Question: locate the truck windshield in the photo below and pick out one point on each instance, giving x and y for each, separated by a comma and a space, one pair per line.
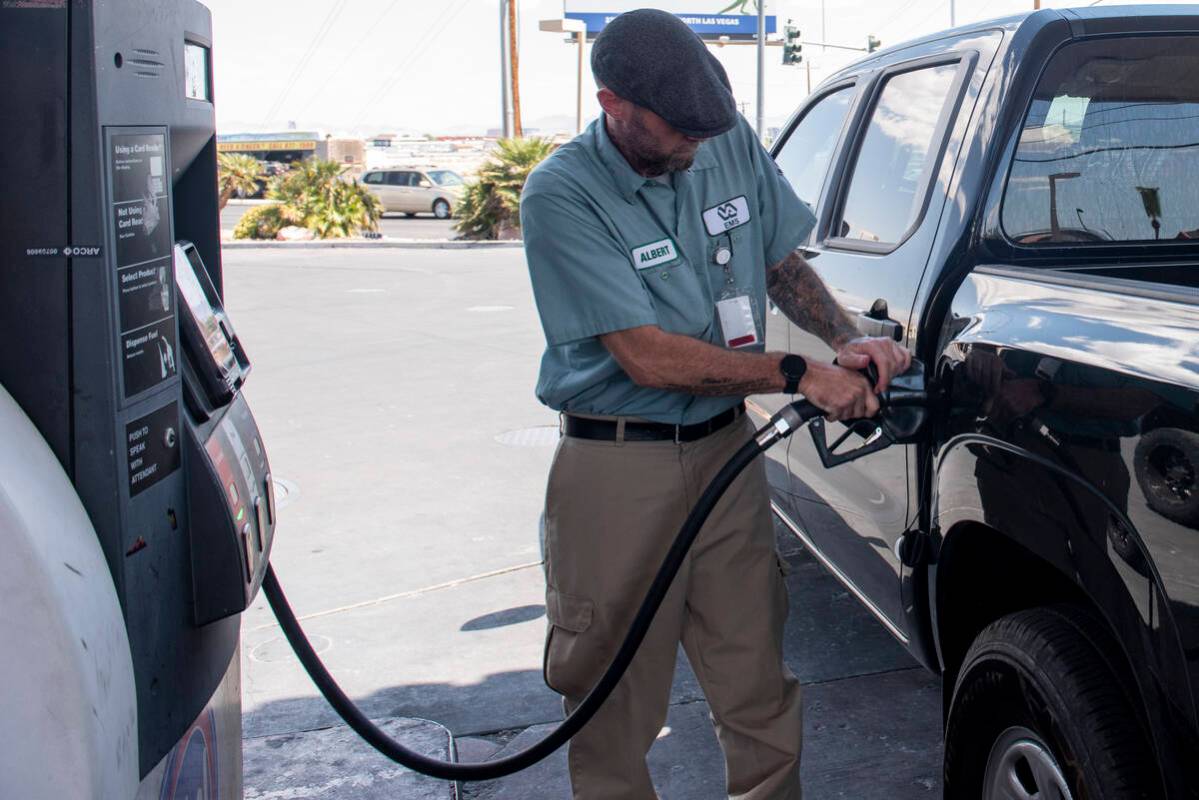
1109, 151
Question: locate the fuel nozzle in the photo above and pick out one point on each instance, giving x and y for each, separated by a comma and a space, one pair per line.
903, 412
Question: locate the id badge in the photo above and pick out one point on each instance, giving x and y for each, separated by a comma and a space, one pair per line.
738, 325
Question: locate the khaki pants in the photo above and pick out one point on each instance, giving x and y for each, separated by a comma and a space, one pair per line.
612, 511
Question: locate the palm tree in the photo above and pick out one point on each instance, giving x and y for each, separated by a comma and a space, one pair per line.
237, 174
490, 207
315, 195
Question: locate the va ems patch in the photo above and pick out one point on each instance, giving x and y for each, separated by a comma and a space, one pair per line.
727, 215
654, 253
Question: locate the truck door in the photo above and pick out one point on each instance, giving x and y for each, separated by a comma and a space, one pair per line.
877, 220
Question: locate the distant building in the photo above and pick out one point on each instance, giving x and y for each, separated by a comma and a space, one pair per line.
347, 151
285, 147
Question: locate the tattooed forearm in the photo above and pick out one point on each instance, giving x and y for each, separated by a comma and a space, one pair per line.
798, 291
721, 387
656, 359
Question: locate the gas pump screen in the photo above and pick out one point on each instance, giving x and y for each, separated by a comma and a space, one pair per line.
189, 272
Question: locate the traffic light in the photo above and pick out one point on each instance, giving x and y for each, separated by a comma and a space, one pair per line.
792, 48
872, 43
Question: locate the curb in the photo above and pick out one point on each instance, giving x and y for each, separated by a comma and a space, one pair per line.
386, 244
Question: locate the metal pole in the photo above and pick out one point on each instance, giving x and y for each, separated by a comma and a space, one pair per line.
514, 59
505, 81
762, 70
580, 39
952, 14
823, 25
808, 64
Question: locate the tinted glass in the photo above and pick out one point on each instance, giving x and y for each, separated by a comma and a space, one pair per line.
397, 178
893, 166
1110, 148
805, 156
444, 177
372, 177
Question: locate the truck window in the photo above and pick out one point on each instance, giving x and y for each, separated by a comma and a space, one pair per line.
891, 176
808, 150
1109, 151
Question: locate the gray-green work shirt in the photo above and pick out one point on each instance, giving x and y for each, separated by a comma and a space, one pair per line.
609, 249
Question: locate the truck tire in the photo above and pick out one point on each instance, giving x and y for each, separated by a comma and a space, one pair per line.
1037, 707
1167, 467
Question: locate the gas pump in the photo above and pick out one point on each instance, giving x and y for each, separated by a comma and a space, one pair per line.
136, 504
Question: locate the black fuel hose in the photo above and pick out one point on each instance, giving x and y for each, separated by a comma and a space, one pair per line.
781, 425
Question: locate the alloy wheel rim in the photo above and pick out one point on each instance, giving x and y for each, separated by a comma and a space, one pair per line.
441, 210
1174, 472
1022, 767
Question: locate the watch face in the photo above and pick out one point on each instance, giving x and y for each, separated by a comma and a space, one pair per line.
794, 366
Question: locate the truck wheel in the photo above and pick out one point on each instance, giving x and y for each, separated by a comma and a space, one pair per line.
1167, 467
1038, 712
441, 209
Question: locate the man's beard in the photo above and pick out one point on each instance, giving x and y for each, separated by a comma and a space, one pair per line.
640, 144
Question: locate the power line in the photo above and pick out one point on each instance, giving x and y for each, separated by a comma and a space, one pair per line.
915, 27
350, 53
323, 31
448, 15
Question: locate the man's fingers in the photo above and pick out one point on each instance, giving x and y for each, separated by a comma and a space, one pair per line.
853, 360
872, 405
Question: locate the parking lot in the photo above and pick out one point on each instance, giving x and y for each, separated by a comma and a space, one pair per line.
394, 389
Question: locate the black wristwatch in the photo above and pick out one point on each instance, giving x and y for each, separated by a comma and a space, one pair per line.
793, 368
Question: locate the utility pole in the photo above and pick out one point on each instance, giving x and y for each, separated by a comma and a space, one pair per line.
514, 60
761, 70
824, 26
505, 79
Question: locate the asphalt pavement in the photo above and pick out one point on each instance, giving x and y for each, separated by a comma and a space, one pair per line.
394, 389
398, 226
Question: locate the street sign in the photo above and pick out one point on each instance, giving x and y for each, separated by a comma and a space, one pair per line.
705, 17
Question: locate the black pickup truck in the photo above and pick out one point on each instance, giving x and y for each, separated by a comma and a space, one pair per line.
1018, 202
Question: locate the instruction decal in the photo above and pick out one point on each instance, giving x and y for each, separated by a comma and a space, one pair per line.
152, 447
145, 275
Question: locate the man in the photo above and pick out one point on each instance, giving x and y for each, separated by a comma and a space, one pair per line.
652, 241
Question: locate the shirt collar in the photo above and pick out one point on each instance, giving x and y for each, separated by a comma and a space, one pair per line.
629, 181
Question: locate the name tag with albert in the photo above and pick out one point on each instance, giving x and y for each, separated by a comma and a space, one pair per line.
726, 216
654, 253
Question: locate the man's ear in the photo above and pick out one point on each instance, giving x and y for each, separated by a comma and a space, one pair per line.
613, 105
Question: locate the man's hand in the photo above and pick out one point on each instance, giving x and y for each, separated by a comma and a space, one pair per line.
841, 393
888, 357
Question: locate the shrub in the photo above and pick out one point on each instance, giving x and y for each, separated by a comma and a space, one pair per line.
315, 195
260, 222
490, 206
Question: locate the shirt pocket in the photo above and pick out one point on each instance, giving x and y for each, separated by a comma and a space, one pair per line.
679, 297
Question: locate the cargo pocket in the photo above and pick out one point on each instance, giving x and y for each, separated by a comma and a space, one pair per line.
565, 667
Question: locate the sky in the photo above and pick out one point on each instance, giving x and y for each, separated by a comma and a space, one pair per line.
357, 67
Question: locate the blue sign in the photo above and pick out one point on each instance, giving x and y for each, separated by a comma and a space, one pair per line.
709, 26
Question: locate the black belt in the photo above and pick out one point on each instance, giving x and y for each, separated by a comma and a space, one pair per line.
605, 429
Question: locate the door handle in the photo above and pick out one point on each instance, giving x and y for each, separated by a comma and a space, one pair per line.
876, 322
